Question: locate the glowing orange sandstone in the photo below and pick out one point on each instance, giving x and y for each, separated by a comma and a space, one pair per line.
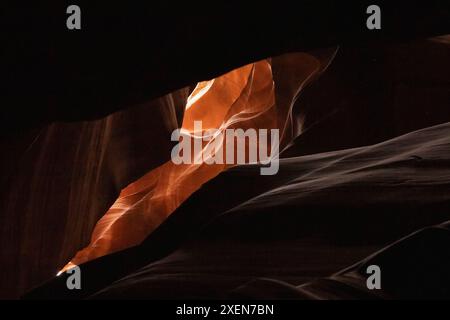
243, 98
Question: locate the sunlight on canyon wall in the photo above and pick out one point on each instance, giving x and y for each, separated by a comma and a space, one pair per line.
258, 96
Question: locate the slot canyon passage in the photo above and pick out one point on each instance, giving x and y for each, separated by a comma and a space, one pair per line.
243, 98
364, 177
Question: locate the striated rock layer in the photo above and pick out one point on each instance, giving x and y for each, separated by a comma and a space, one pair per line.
57, 183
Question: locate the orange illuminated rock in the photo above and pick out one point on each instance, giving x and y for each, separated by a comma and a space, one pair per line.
243, 98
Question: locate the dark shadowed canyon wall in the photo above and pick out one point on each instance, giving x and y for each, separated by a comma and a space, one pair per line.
85, 114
